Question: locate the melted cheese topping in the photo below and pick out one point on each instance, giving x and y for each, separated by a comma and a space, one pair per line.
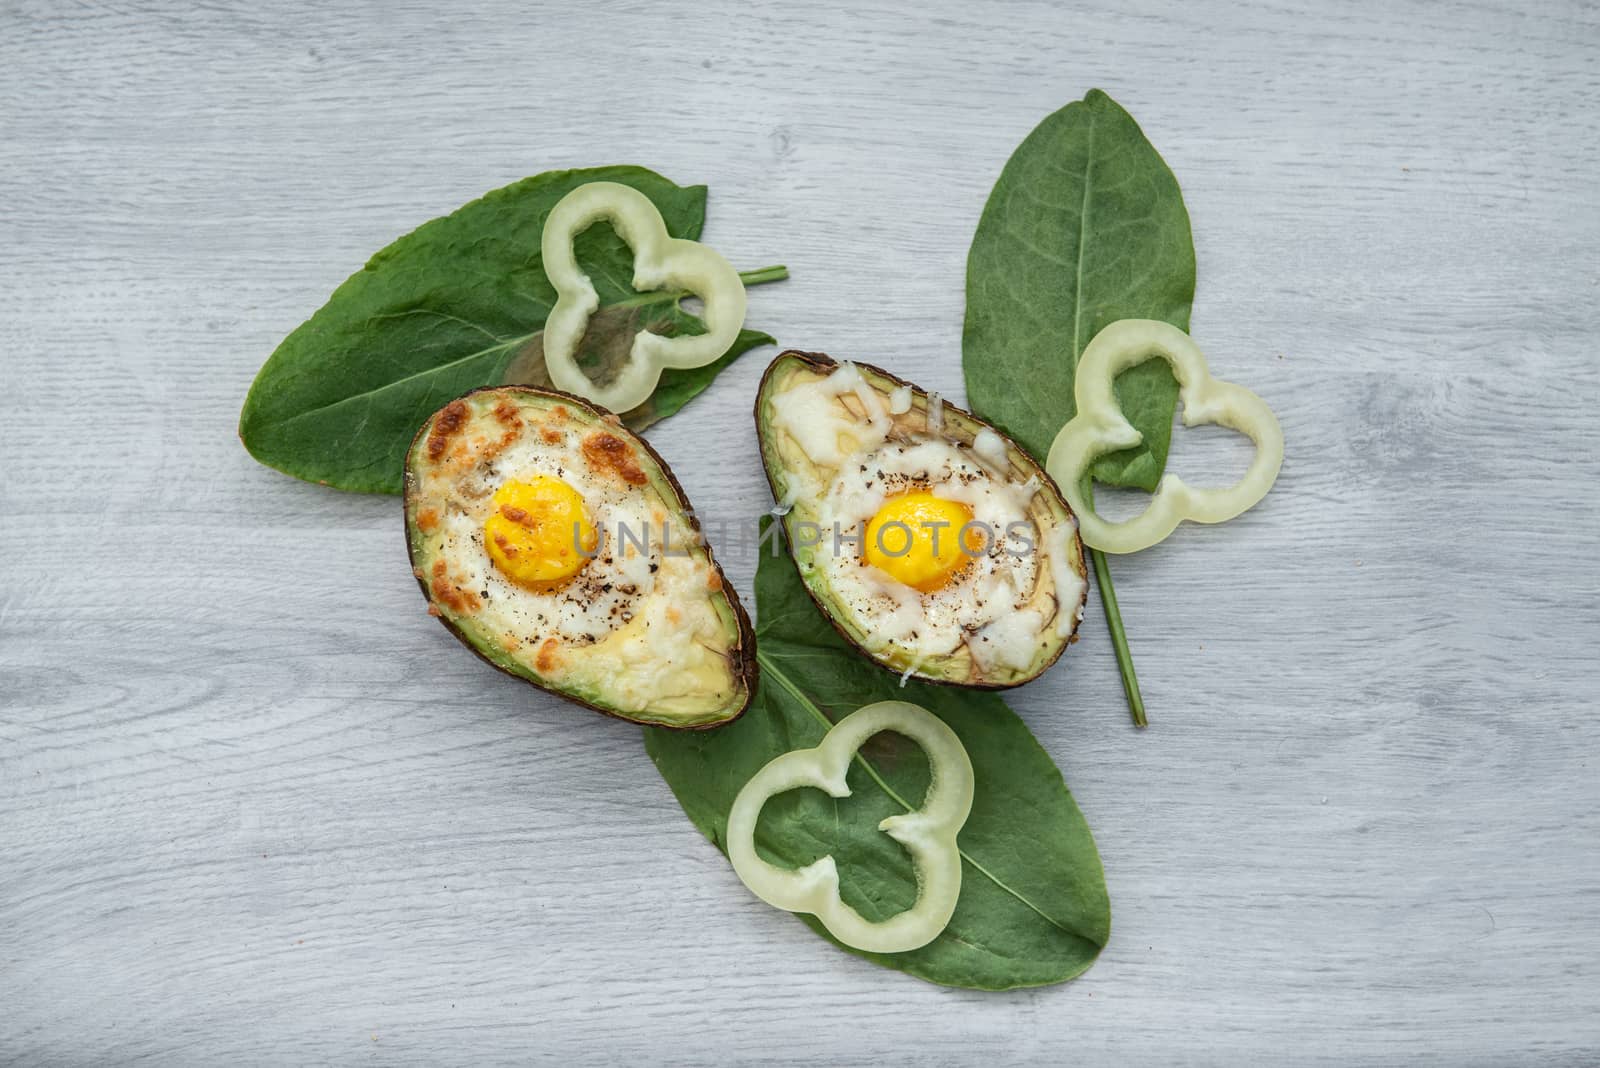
826, 430
990, 447
1070, 586
639, 624
1003, 606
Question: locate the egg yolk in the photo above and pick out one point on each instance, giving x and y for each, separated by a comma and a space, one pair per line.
916, 538
536, 532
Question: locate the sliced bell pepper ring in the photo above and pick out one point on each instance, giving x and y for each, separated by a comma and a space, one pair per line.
1099, 428
928, 834
660, 261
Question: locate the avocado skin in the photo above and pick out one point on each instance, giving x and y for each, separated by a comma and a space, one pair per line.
743, 655
824, 364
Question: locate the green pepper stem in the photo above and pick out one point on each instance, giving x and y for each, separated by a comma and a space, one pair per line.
764, 275
776, 273
1119, 637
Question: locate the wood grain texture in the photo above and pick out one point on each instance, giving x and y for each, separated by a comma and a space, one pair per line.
256, 806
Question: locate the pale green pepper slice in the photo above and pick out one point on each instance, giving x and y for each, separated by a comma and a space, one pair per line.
928, 834
1099, 428
660, 261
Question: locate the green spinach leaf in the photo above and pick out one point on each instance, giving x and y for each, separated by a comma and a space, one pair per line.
1085, 226
456, 304
1033, 906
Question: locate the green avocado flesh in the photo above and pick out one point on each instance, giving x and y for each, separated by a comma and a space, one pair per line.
646, 629
827, 439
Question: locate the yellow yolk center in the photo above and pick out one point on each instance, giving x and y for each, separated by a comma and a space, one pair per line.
916, 538
539, 533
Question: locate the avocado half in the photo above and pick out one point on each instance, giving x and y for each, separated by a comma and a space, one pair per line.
657, 677
789, 471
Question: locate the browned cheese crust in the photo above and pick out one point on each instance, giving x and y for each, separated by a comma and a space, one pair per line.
438, 436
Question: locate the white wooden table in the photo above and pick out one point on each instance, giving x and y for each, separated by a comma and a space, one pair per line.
255, 806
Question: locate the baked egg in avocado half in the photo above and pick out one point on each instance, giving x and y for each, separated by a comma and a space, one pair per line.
931, 541
557, 546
